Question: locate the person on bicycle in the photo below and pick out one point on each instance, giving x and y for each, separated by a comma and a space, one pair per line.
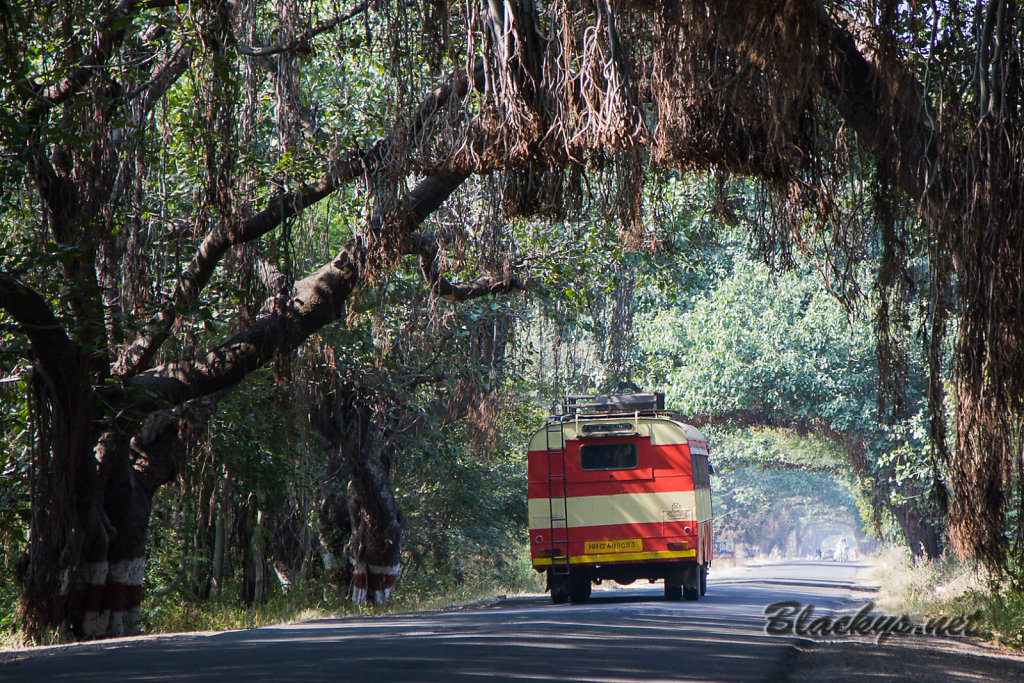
841, 548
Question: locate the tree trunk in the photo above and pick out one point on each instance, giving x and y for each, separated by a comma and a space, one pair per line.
127, 511
94, 570
922, 536
220, 534
89, 520
255, 583
374, 549
345, 420
94, 468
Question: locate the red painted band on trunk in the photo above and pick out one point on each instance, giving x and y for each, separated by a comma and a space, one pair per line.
380, 582
117, 594
94, 593
133, 596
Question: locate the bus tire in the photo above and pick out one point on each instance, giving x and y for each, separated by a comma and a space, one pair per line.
579, 592
691, 582
673, 591
703, 579
559, 596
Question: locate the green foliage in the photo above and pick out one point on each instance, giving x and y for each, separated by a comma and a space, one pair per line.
771, 342
773, 348
15, 465
778, 449
775, 488
461, 510
684, 309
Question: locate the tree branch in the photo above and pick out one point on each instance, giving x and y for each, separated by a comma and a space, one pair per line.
55, 353
316, 301
111, 33
898, 132
301, 42
197, 274
269, 275
166, 75
158, 449
440, 286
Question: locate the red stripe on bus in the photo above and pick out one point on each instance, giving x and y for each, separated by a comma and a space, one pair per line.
665, 459
613, 531
654, 535
573, 489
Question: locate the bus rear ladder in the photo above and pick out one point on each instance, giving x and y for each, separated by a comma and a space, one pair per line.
557, 508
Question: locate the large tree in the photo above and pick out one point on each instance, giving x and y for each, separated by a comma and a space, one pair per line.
808, 96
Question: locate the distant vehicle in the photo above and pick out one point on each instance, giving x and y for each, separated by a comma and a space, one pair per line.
619, 489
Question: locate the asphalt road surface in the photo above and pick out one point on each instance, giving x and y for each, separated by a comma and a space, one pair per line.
629, 634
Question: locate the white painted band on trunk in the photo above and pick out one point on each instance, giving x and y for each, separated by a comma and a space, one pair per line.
358, 595
137, 571
95, 623
95, 573
328, 559
132, 621
117, 623
386, 571
128, 572
282, 578
119, 572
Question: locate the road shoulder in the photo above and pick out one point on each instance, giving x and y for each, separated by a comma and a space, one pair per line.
913, 657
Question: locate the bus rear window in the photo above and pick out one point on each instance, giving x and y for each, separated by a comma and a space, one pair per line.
608, 456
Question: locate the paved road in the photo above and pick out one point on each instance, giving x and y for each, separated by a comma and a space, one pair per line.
625, 634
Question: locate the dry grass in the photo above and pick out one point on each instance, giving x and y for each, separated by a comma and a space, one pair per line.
948, 587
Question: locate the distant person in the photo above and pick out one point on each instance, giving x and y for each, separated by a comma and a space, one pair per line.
841, 549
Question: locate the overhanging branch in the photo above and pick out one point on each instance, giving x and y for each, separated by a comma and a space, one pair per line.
893, 122
138, 356
165, 76
484, 285
315, 302
57, 355
111, 33
300, 43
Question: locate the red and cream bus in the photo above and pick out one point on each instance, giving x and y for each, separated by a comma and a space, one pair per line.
619, 489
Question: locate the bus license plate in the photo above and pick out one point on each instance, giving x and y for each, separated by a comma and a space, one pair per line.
618, 545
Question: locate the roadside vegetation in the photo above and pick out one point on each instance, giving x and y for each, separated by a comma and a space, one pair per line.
285, 286
419, 590
948, 587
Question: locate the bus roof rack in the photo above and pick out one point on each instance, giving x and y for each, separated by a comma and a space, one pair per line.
613, 403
